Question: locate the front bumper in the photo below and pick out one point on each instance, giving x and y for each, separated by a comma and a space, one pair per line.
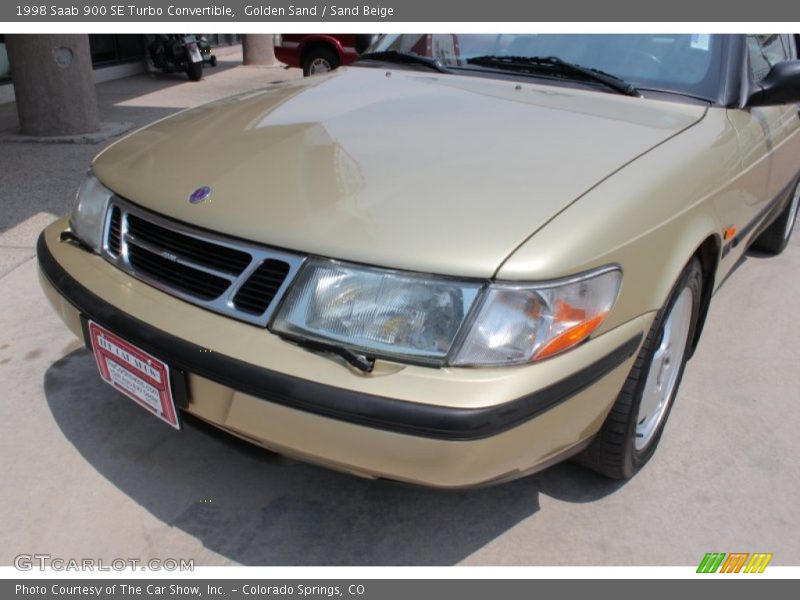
439, 427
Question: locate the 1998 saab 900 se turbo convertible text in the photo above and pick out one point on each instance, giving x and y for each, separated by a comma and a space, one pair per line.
456, 262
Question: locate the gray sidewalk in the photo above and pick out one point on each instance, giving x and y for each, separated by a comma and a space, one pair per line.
38, 181
86, 473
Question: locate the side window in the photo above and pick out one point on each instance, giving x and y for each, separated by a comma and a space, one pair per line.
764, 51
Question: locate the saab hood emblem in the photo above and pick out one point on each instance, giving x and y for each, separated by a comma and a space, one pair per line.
200, 194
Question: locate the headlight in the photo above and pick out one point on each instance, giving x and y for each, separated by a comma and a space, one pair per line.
88, 216
376, 311
518, 324
423, 318
277, 39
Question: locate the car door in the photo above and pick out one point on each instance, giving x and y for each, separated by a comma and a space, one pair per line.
768, 136
784, 124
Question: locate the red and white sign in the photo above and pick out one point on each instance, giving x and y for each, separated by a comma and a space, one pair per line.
135, 373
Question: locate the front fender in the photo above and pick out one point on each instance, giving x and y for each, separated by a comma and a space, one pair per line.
650, 217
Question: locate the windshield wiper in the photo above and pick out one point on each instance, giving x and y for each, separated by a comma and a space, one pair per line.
405, 58
554, 65
365, 364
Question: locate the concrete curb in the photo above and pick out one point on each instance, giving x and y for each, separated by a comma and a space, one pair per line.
107, 130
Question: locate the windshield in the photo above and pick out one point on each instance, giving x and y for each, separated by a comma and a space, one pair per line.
683, 63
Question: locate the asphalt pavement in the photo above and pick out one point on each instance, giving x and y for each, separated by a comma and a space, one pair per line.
87, 473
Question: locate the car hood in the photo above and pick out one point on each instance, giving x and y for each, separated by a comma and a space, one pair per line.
403, 168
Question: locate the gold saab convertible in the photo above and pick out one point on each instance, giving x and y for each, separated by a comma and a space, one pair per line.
456, 262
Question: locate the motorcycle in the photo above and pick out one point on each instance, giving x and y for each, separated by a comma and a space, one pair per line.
180, 52
205, 50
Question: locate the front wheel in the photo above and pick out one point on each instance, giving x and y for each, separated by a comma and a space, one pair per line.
194, 71
630, 433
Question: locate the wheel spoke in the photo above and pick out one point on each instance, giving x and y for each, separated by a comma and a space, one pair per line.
664, 369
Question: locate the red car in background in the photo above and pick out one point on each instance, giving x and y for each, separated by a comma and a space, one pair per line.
320, 52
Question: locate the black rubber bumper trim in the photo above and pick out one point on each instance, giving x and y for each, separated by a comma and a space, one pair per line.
423, 420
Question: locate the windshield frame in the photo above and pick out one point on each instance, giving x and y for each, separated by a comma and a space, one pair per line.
723, 85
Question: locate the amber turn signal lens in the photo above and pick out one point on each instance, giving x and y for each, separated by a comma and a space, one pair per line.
570, 337
519, 323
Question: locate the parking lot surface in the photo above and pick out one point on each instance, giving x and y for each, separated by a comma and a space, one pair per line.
87, 473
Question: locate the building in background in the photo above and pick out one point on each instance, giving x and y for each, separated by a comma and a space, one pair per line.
5, 68
113, 56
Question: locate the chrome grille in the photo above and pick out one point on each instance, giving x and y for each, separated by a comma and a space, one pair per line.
146, 233
263, 284
188, 280
115, 231
236, 278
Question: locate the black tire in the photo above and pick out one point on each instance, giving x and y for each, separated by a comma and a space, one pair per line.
194, 71
213, 60
323, 56
774, 239
613, 451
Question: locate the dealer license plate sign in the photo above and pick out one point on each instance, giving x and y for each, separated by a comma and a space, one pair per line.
135, 373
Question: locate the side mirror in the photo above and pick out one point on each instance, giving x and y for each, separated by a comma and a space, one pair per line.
780, 86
